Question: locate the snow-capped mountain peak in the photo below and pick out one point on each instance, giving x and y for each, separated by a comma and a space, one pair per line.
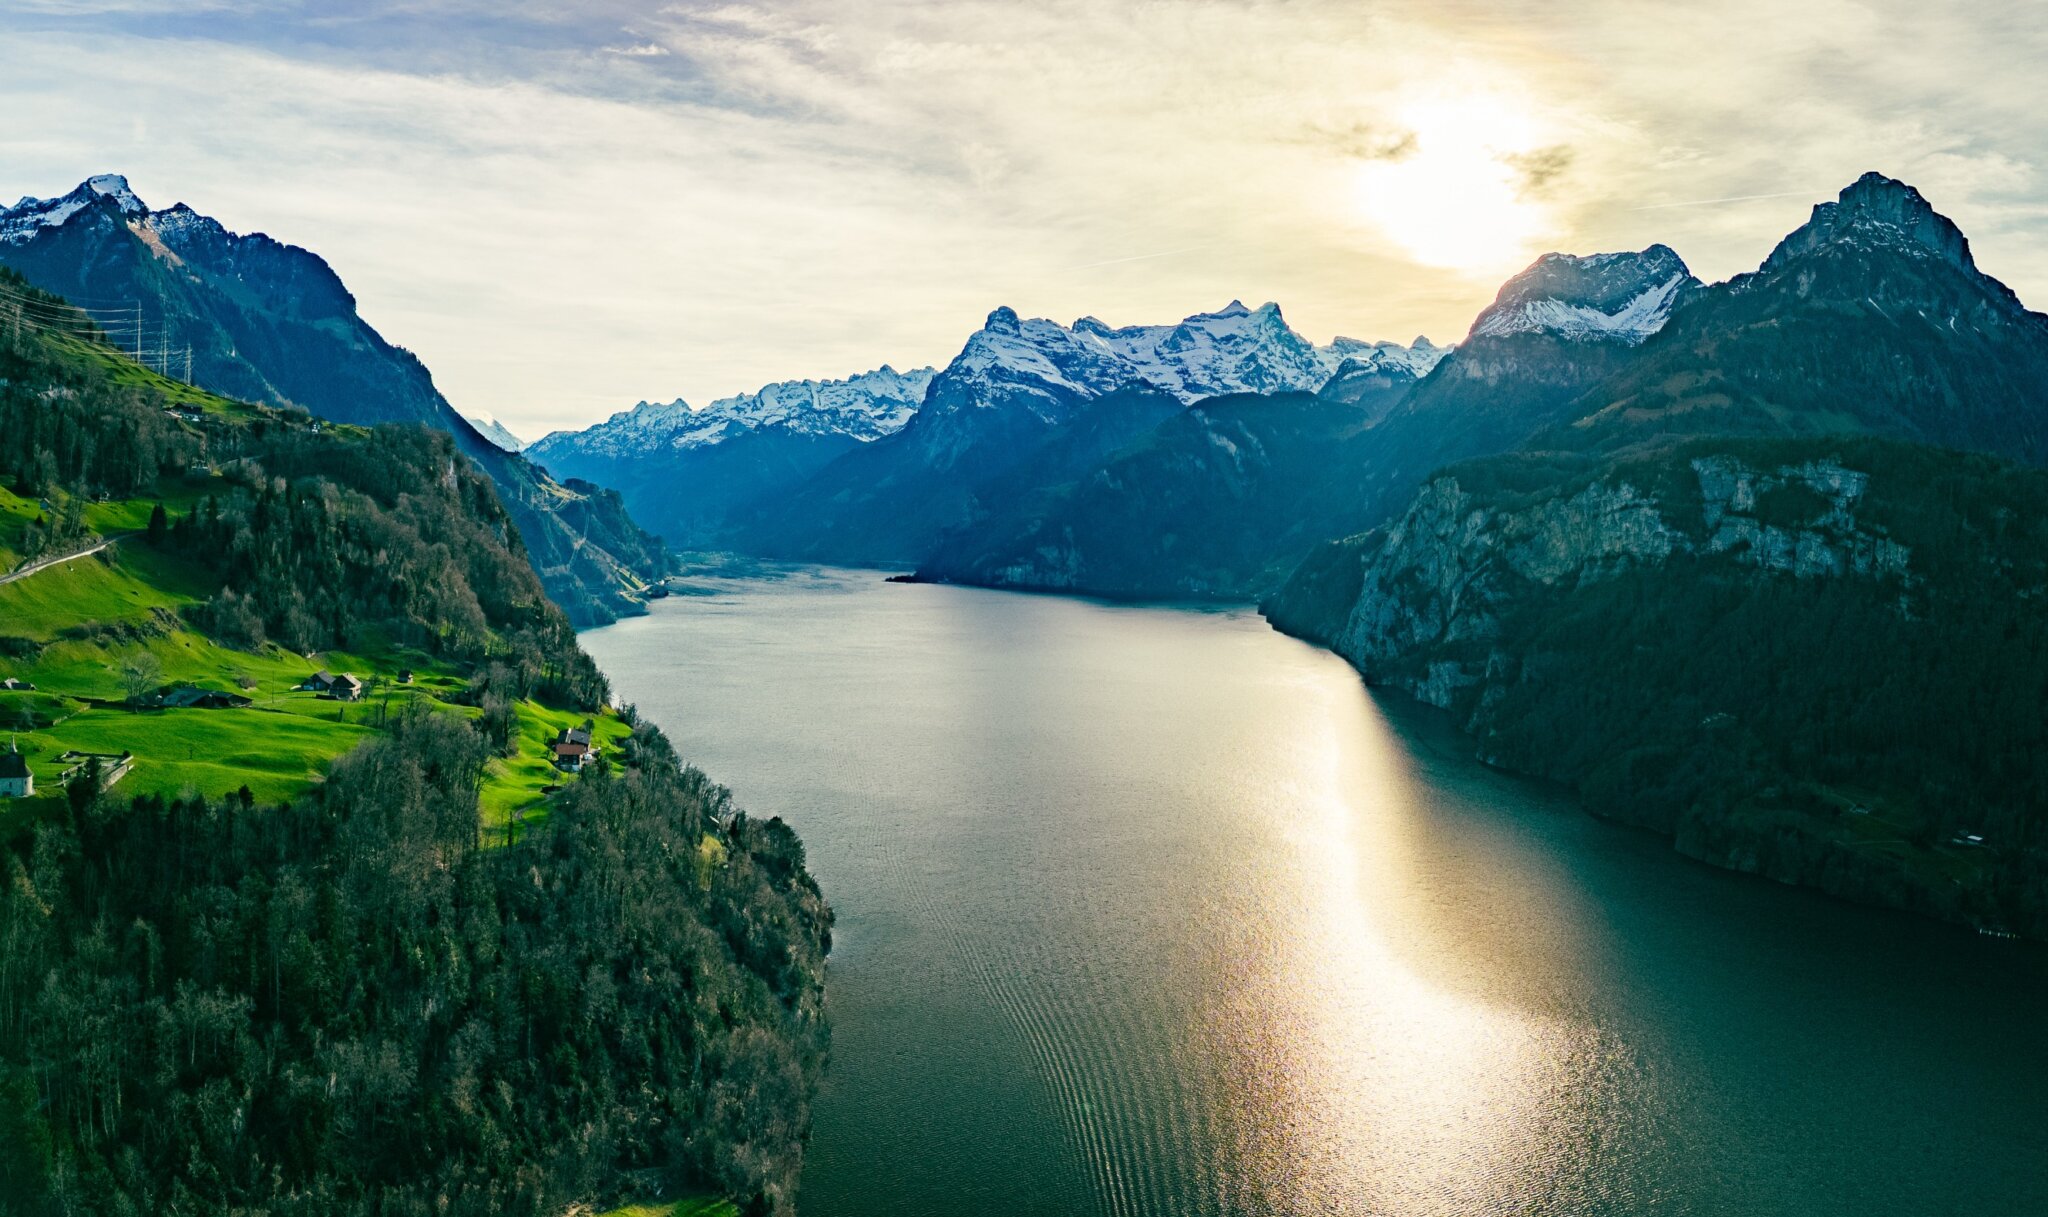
863, 407
488, 426
22, 221
1615, 297
1350, 355
1233, 350
115, 187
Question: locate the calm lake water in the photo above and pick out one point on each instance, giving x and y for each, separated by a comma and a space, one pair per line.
1150, 911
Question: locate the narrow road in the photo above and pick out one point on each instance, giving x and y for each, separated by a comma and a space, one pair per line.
61, 559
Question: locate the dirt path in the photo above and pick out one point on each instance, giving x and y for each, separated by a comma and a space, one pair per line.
61, 559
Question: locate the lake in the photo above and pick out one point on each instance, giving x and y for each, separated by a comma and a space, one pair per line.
1155, 911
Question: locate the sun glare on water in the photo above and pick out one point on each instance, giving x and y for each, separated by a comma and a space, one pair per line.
1456, 194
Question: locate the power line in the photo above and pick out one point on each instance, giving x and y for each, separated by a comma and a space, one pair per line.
125, 329
58, 303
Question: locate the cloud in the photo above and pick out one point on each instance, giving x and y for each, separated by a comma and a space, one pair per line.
562, 222
1538, 169
1365, 141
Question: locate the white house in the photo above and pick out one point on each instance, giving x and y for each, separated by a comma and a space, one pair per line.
16, 782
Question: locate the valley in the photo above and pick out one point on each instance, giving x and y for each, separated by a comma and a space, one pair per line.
1706, 553
1091, 609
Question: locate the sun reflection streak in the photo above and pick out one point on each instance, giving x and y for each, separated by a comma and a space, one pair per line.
1372, 1087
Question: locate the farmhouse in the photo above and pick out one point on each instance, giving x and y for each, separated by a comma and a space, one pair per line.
16, 782
12, 685
344, 687
572, 748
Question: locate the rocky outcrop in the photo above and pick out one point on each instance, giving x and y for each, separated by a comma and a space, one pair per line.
1442, 574
1818, 661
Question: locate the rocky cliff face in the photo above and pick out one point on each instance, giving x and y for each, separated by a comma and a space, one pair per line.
1815, 660
1443, 573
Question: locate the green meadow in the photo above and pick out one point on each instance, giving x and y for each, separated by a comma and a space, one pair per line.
75, 630
701, 1206
512, 784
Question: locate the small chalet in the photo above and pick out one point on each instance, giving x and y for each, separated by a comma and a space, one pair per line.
12, 685
344, 687
16, 782
572, 748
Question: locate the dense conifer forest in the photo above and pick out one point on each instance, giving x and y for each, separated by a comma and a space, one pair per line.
362, 1001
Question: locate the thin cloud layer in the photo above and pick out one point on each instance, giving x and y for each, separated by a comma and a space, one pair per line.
564, 209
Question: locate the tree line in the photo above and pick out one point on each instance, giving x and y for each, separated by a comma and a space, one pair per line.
350, 1005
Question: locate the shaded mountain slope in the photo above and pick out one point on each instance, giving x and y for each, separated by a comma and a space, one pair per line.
264, 321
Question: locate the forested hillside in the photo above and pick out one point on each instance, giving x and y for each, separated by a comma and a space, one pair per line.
1219, 499
1822, 660
358, 952
260, 320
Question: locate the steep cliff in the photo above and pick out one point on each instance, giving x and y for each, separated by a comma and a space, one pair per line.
1820, 660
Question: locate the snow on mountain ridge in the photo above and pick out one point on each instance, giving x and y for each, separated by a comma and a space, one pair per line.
1232, 350
1623, 297
866, 407
488, 426
19, 223
1417, 359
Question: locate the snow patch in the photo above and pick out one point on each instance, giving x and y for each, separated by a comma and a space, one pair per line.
1636, 319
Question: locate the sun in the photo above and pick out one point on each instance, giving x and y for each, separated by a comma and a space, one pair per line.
1454, 196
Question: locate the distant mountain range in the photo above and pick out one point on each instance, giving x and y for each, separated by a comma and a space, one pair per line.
689, 473
884, 467
1205, 458
1756, 564
251, 317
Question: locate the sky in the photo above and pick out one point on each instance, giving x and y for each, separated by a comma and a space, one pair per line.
568, 208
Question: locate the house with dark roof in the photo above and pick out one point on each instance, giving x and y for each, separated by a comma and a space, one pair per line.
12, 685
16, 782
572, 748
344, 687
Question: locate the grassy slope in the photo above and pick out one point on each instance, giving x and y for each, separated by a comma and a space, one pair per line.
513, 783
701, 1206
92, 616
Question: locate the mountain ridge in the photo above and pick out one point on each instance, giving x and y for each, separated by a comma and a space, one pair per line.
265, 321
